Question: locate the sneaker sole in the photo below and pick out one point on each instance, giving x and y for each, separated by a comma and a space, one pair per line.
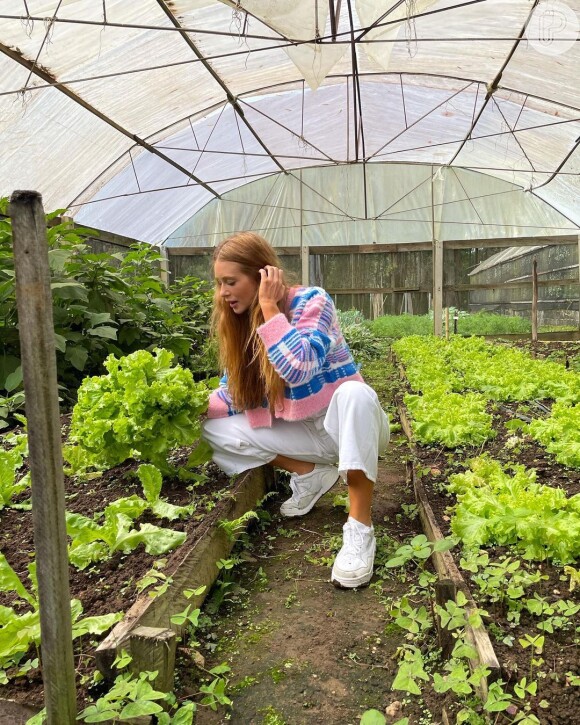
302, 512
361, 581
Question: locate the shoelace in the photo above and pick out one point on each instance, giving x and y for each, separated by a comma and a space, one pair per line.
295, 488
353, 540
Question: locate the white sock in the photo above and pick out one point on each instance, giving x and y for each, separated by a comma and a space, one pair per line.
363, 528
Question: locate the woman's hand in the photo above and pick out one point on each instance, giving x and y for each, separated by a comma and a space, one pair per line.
272, 290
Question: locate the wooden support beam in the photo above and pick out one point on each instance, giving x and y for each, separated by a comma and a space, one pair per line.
437, 286
520, 284
34, 301
425, 246
535, 300
164, 272
305, 265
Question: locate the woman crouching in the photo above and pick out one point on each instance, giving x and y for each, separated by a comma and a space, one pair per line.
292, 395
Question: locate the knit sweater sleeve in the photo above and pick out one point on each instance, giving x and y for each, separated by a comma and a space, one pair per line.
220, 402
220, 406
298, 349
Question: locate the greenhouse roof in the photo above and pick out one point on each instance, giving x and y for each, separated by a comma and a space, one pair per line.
134, 116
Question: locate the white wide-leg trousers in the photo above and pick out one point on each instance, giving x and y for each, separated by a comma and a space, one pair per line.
351, 432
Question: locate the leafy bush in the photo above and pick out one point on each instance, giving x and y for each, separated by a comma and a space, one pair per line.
361, 340
102, 304
141, 409
478, 323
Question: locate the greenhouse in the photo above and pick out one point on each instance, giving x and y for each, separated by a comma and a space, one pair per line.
414, 168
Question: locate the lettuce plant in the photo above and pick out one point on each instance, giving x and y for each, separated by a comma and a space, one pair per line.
94, 541
142, 408
20, 631
559, 433
494, 507
450, 419
11, 457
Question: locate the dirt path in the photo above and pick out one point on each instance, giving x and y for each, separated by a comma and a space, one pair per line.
300, 650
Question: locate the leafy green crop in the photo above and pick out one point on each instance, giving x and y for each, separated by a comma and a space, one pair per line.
151, 478
18, 632
481, 372
102, 304
362, 342
450, 419
94, 541
494, 507
560, 433
11, 459
141, 409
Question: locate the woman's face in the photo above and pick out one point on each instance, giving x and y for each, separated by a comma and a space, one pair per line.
235, 287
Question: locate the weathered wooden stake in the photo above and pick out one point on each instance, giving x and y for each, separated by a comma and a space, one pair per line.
447, 323
437, 286
305, 264
34, 300
535, 300
579, 280
155, 646
445, 591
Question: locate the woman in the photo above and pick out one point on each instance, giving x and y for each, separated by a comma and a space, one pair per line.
292, 395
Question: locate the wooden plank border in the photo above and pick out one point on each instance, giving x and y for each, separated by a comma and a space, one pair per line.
192, 566
446, 567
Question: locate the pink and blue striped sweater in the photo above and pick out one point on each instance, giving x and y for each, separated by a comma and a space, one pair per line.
308, 351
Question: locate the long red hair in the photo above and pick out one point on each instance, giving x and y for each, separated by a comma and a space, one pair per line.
251, 377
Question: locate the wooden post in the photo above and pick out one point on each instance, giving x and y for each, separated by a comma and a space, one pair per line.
447, 323
305, 264
36, 328
164, 266
437, 286
445, 591
535, 300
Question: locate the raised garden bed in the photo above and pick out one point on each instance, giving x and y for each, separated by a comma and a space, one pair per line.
113, 585
555, 664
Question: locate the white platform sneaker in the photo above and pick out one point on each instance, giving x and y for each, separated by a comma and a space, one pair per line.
308, 488
353, 566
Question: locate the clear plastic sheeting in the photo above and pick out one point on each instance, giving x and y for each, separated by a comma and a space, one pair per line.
135, 116
401, 123
403, 203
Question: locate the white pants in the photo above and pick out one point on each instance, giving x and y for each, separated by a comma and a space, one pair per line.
351, 432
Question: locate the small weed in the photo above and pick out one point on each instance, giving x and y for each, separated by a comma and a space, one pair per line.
291, 599
272, 716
